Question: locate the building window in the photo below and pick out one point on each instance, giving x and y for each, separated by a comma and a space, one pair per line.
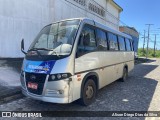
113, 43
81, 2
94, 8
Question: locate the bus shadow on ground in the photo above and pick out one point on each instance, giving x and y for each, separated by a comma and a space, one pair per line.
133, 95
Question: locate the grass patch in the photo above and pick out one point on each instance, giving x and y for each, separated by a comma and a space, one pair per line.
142, 53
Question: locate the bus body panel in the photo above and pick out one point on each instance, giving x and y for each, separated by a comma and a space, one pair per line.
87, 62
65, 65
110, 68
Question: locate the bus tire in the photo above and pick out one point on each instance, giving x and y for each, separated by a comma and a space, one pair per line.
88, 93
125, 75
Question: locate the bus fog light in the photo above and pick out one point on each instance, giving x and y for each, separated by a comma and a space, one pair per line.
51, 92
54, 92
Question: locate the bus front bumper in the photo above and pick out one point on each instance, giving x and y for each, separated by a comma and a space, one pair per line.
46, 99
54, 92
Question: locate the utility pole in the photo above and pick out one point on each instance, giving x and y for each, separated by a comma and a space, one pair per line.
149, 25
144, 40
155, 45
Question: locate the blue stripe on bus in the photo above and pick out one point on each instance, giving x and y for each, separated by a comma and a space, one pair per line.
44, 67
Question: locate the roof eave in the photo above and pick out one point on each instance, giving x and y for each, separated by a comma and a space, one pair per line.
119, 7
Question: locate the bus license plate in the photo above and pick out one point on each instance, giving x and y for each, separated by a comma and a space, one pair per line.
33, 86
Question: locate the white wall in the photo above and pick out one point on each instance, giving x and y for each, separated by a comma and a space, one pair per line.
25, 18
20, 19
113, 22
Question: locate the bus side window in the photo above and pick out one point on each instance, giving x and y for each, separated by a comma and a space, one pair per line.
121, 41
87, 41
128, 45
132, 43
101, 40
113, 42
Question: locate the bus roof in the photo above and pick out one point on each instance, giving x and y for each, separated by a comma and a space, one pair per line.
102, 26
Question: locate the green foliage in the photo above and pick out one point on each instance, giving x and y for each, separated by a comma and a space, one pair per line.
142, 53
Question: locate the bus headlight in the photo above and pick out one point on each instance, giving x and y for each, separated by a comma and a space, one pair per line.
59, 76
65, 75
53, 77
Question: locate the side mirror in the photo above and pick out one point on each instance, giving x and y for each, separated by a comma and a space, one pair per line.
22, 46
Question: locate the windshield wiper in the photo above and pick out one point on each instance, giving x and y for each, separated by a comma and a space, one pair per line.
36, 49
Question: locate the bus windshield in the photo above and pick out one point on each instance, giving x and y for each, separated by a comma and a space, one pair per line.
56, 39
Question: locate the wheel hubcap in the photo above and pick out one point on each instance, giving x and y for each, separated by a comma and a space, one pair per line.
89, 92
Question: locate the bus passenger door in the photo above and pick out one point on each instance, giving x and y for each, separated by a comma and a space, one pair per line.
87, 59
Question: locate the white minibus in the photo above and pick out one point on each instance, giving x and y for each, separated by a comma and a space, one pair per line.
72, 59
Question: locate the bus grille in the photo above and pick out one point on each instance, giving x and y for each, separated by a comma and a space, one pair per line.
38, 79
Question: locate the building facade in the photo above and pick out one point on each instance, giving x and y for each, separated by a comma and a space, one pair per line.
25, 18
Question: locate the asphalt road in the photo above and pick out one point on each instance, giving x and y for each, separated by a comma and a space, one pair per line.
141, 92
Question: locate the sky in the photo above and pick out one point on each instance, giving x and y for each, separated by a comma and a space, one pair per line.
137, 13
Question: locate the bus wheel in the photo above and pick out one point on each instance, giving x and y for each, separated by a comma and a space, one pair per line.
125, 75
88, 93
